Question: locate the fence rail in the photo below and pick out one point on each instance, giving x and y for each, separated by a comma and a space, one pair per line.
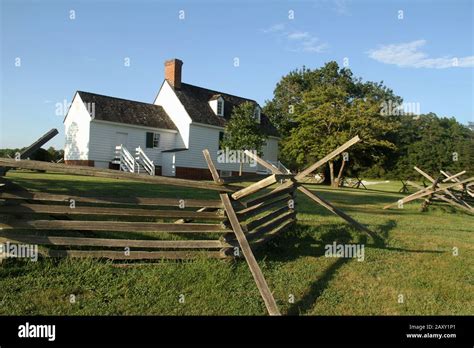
105, 227
142, 201
112, 174
265, 214
147, 231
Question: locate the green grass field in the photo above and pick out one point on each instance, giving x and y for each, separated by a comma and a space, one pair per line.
416, 261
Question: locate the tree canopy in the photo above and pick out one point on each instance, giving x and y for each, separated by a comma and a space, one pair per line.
431, 143
242, 131
318, 110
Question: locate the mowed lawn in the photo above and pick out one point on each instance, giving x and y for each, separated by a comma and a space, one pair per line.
415, 260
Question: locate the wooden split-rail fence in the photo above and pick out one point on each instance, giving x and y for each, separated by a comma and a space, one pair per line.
239, 220
185, 227
454, 189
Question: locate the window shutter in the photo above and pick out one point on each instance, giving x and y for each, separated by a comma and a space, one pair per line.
149, 140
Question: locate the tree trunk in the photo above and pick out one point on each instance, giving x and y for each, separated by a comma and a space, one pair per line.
240, 168
340, 174
331, 173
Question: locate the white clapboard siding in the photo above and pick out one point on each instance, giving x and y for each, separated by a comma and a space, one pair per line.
270, 152
203, 137
76, 129
196, 137
104, 137
270, 149
169, 101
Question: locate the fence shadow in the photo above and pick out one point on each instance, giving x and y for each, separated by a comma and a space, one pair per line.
306, 241
316, 289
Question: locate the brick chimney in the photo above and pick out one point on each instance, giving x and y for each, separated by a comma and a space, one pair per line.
173, 72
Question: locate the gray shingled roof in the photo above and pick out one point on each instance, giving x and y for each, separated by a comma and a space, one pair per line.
196, 102
127, 111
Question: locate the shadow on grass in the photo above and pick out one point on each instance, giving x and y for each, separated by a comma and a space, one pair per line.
340, 196
304, 241
384, 231
385, 191
13, 268
306, 303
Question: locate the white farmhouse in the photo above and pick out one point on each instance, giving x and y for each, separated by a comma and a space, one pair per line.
171, 133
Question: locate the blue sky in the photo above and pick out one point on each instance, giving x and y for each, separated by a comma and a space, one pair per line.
426, 57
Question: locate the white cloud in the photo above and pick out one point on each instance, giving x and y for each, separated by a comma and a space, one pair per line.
298, 35
314, 45
306, 42
409, 55
297, 40
341, 7
274, 28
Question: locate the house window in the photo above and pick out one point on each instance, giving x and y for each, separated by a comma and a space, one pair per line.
156, 139
220, 107
152, 140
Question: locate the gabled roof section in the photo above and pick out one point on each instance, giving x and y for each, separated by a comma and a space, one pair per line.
215, 97
126, 111
196, 102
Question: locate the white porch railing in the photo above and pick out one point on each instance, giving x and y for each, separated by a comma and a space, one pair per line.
137, 164
278, 165
142, 160
126, 160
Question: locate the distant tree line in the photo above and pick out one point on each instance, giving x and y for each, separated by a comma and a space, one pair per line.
49, 155
318, 110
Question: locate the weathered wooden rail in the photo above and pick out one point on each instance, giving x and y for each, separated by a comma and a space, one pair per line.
38, 143
453, 189
264, 216
30, 217
132, 228
30, 150
274, 212
110, 174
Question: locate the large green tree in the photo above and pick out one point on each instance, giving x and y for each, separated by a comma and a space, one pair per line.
318, 110
431, 143
243, 132
288, 93
328, 118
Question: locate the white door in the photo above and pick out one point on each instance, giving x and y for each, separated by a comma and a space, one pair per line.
121, 138
168, 167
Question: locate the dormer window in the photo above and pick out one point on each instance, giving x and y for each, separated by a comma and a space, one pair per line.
217, 104
220, 107
257, 113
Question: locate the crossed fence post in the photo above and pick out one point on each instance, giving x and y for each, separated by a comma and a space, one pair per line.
313, 196
290, 184
439, 190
